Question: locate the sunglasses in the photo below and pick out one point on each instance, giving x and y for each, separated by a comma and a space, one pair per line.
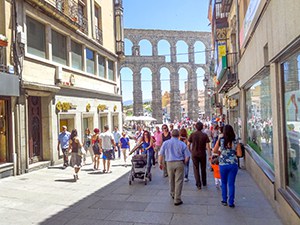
165, 128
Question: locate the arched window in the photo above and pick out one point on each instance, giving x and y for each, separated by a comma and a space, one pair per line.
164, 50
145, 48
128, 47
182, 51
199, 53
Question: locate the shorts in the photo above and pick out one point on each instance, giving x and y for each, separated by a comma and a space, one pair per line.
108, 154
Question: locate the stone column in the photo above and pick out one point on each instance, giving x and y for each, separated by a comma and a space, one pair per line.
173, 52
175, 109
154, 49
137, 94
191, 54
156, 96
193, 105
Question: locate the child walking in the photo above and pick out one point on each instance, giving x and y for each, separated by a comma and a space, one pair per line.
216, 169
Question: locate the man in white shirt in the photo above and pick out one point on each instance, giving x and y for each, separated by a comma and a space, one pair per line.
107, 144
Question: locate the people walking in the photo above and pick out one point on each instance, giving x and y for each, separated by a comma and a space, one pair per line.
96, 148
74, 147
198, 144
117, 136
87, 139
125, 146
175, 153
183, 136
228, 164
166, 135
63, 142
147, 145
107, 145
158, 142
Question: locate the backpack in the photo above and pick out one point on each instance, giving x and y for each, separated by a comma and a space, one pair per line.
95, 146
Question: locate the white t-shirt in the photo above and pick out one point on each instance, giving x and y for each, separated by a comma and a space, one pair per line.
106, 138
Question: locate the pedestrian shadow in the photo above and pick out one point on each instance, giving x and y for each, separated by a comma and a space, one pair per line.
121, 165
97, 173
56, 167
87, 170
66, 180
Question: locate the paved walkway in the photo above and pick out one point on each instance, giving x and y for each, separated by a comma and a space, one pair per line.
50, 196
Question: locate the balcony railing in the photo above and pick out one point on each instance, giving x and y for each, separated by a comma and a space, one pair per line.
66, 11
229, 76
3, 67
99, 36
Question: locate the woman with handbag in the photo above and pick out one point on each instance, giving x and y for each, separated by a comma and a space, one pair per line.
228, 164
76, 153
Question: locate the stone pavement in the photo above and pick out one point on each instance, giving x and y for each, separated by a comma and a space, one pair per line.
50, 196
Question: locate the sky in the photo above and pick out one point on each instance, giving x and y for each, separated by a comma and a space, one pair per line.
188, 15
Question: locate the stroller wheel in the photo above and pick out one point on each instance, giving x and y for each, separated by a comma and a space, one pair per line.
146, 182
150, 177
129, 182
132, 178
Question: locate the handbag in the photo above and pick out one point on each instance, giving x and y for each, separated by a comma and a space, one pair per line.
239, 151
81, 151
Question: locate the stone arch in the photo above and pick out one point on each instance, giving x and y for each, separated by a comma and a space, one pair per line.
128, 46
182, 50
126, 81
157, 61
199, 52
146, 47
163, 47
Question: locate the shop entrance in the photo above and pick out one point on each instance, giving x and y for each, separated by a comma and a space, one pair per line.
34, 128
3, 132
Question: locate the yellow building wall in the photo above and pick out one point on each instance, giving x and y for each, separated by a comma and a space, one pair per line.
108, 24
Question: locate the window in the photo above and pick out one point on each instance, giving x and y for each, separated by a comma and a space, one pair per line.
101, 66
291, 73
259, 119
59, 48
35, 38
76, 51
111, 70
90, 61
98, 24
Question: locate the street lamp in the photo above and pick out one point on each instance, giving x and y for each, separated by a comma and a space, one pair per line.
205, 81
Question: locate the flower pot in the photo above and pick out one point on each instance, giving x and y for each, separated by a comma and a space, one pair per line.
3, 43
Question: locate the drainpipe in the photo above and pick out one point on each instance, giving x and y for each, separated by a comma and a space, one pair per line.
237, 41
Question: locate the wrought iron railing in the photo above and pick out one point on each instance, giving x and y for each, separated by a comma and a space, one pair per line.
3, 67
72, 10
99, 36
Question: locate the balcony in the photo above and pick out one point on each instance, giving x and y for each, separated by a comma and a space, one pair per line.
99, 36
227, 73
68, 12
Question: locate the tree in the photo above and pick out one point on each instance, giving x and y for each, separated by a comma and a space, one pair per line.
165, 99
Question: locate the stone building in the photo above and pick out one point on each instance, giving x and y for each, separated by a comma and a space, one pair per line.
155, 62
257, 45
66, 57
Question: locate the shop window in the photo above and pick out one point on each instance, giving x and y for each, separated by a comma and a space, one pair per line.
101, 66
35, 38
259, 119
111, 70
59, 49
291, 73
76, 50
90, 61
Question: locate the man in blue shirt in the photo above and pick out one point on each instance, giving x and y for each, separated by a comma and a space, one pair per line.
63, 141
117, 136
175, 153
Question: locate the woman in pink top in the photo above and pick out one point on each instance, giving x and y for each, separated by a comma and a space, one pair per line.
158, 142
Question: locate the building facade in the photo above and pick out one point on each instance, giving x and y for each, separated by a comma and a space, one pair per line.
257, 79
66, 56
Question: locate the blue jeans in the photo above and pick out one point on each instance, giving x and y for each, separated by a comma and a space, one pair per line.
149, 159
186, 169
228, 175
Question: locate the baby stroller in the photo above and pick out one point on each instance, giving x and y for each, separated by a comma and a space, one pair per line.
139, 165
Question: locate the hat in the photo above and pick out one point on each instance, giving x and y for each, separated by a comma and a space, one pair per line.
64, 127
96, 130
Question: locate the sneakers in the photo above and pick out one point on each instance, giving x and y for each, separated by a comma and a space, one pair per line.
224, 203
178, 203
186, 179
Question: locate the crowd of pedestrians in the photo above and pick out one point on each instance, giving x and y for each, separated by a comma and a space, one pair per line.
172, 146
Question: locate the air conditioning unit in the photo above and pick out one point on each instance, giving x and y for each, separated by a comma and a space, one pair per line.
58, 74
116, 89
